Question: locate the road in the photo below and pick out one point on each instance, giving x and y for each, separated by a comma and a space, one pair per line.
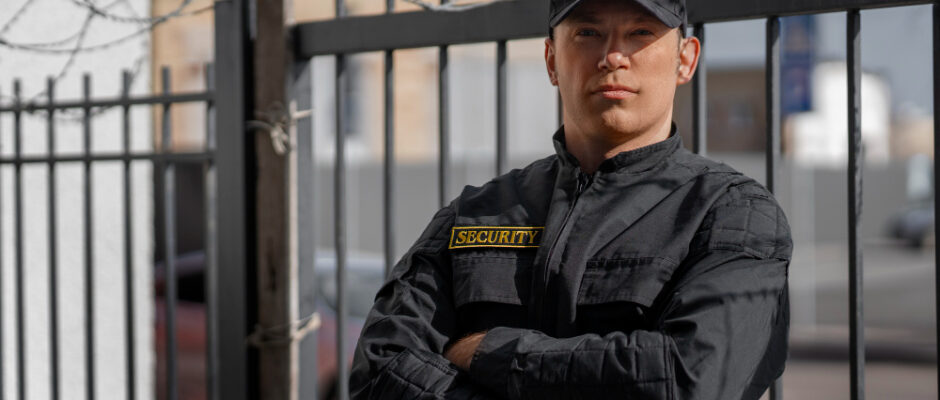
898, 291
829, 380
899, 318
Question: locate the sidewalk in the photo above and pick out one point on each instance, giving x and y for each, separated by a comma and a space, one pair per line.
829, 380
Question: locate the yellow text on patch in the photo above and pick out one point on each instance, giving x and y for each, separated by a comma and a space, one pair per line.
495, 236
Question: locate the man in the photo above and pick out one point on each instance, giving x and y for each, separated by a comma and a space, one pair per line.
622, 267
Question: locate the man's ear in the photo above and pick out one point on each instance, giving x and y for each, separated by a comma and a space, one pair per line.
550, 61
689, 53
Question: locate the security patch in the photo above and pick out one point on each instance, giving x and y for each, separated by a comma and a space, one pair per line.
495, 236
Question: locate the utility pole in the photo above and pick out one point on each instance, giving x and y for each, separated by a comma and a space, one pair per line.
276, 272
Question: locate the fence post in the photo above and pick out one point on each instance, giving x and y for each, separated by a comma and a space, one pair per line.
276, 275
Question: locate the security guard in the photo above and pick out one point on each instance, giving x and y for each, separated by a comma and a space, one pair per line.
623, 266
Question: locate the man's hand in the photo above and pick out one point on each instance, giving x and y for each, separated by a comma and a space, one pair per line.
461, 353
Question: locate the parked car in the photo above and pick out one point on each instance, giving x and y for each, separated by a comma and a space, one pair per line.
913, 224
365, 275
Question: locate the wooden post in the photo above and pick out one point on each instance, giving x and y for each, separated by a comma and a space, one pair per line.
272, 62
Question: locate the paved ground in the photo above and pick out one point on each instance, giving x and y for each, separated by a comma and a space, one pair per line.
829, 380
898, 280
899, 315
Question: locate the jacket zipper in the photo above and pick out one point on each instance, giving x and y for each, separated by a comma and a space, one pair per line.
584, 181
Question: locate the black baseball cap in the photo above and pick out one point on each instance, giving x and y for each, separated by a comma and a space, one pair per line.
670, 12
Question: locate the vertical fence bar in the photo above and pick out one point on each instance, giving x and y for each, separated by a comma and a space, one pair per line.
856, 320
126, 80
2, 355
89, 246
211, 243
18, 238
237, 365
53, 253
443, 110
169, 238
443, 113
936, 168
302, 94
772, 93
501, 148
699, 99
339, 181
389, 167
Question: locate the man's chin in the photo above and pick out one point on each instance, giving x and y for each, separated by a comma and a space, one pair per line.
618, 124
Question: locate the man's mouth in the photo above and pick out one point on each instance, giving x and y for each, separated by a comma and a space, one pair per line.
616, 92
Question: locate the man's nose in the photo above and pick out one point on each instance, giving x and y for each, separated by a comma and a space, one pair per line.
614, 58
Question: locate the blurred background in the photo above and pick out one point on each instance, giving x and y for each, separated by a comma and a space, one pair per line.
896, 228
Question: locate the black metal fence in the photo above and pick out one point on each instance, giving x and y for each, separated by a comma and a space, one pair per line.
504, 21
222, 162
165, 161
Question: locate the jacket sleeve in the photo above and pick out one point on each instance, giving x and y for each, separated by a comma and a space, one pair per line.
720, 331
399, 354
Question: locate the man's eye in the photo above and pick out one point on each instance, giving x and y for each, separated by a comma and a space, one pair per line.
587, 32
642, 32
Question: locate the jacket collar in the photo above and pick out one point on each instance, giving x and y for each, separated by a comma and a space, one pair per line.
635, 160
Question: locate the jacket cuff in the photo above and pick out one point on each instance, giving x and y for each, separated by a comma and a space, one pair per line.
496, 365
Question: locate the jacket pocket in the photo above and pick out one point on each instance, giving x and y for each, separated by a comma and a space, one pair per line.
491, 288
636, 280
617, 294
491, 276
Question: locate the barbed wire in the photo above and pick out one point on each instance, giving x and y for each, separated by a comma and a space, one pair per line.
16, 16
58, 42
95, 47
43, 48
71, 60
121, 18
94, 12
77, 115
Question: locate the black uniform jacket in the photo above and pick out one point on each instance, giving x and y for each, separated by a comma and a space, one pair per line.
662, 276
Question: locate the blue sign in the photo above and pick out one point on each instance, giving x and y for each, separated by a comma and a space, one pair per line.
798, 37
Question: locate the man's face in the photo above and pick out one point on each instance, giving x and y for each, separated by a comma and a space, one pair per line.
617, 67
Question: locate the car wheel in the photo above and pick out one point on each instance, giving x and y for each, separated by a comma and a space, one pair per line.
331, 391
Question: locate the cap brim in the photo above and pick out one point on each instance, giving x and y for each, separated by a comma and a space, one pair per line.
667, 17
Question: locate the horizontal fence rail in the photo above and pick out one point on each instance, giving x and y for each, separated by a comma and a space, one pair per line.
164, 163
116, 102
503, 21
176, 158
730, 10
516, 19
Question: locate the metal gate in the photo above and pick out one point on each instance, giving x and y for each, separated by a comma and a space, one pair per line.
502, 21
224, 228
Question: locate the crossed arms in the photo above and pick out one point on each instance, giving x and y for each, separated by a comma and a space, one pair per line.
720, 335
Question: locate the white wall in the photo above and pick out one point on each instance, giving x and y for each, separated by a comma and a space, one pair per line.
48, 21
820, 136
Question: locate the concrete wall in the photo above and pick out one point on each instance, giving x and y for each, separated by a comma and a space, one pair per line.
43, 22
